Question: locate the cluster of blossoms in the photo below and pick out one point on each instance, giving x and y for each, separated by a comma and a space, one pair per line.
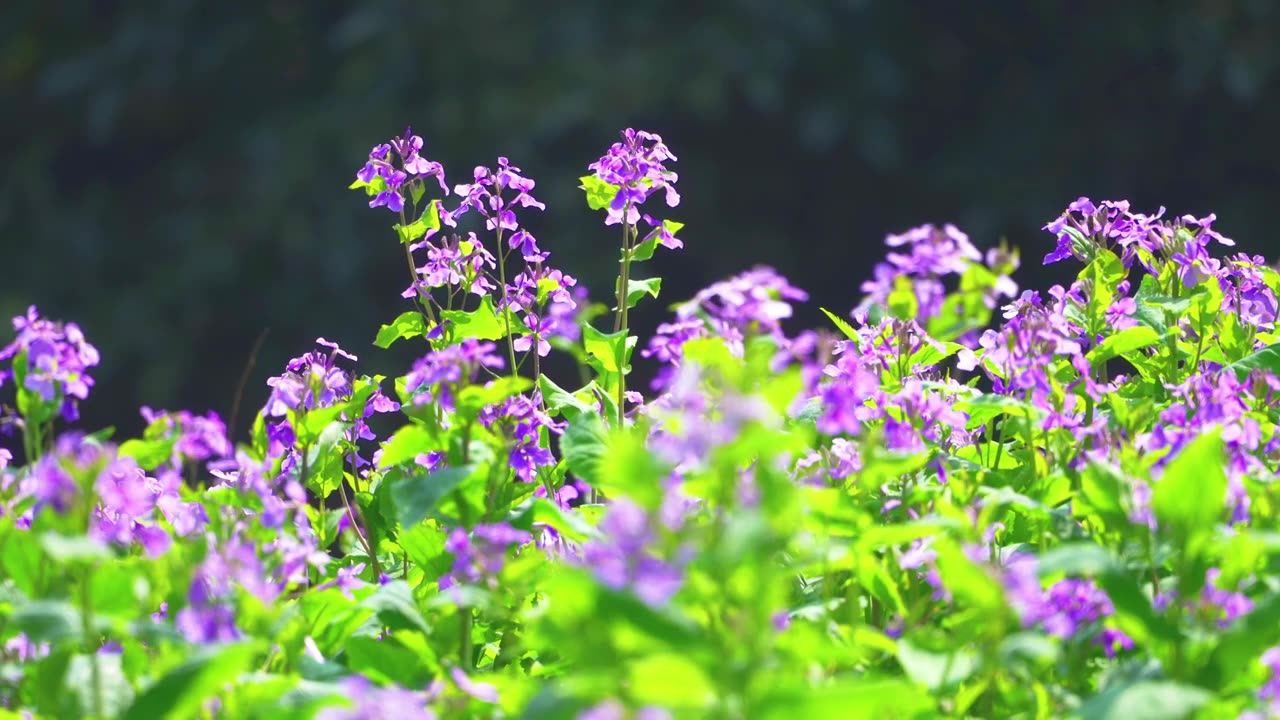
1066, 609
778, 491
56, 359
626, 556
312, 382
752, 303
931, 254
637, 168
480, 555
413, 168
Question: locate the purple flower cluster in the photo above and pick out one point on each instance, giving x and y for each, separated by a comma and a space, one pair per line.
197, 438
1068, 608
932, 254
413, 167
439, 375
481, 554
625, 557
312, 382
484, 196
1085, 227
57, 358
370, 702
453, 263
637, 168
520, 419
753, 303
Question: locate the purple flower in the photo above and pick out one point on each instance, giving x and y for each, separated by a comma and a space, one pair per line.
440, 374
413, 167
478, 690
369, 702
481, 554
753, 303
637, 167
58, 359
486, 197
624, 559
614, 710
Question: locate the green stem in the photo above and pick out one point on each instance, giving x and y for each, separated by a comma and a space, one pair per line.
464, 639
506, 305
620, 322
355, 524
86, 618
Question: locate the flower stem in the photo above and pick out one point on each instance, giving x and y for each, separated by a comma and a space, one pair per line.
620, 320
86, 619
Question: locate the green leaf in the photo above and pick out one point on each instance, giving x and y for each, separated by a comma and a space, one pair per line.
48, 621
1191, 495
936, 670
415, 496
637, 289
560, 401
116, 694
843, 326
64, 549
600, 194
846, 700
1122, 343
179, 694
408, 443
483, 323
386, 661
149, 454
583, 446
1240, 647
1268, 358
645, 248
473, 399
1147, 700
429, 220
607, 350
408, 325
394, 605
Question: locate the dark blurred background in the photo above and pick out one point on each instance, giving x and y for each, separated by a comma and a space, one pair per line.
173, 174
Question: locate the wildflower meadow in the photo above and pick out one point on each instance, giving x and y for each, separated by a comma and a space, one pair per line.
961, 498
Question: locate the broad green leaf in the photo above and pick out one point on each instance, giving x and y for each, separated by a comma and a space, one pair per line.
1268, 358
415, 496
600, 194
408, 443
149, 454
638, 288
394, 605
49, 621
561, 401
180, 693
936, 670
386, 660
1122, 343
1147, 700
408, 325
1191, 495
483, 323
583, 446
607, 349
847, 699
74, 549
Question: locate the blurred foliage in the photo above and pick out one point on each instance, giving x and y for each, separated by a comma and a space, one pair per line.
174, 174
